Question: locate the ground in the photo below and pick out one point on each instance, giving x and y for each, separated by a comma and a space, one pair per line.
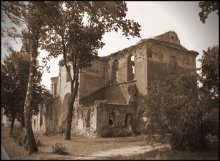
135, 147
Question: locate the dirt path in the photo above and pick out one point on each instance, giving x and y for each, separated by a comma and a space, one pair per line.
129, 151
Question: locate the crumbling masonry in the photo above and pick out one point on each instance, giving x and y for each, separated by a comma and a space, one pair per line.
107, 101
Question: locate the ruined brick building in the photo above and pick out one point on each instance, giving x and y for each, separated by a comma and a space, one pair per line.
107, 102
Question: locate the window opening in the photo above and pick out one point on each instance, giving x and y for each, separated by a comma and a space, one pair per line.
131, 68
88, 119
111, 119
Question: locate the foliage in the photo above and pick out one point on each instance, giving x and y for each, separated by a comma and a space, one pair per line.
209, 91
83, 37
174, 109
210, 71
9, 86
15, 72
59, 148
175, 106
207, 7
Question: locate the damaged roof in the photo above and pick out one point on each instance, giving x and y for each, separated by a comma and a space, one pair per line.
168, 39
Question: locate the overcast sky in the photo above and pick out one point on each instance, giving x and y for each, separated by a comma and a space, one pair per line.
157, 18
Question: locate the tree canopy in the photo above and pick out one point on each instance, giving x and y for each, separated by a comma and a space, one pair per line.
207, 8
15, 72
210, 72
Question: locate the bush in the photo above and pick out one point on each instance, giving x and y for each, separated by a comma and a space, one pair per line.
173, 106
177, 106
59, 148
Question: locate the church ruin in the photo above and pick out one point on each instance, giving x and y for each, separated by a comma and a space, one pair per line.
107, 101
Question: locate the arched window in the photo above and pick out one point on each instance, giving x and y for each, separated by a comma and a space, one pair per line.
88, 118
131, 68
111, 119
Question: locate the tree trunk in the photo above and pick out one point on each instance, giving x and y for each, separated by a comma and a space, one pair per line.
74, 91
12, 126
22, 122
69, 117
32, 146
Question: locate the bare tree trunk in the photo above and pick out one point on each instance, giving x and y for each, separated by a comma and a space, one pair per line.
12, 126
22, 122
32, 146
74, 91
69, 117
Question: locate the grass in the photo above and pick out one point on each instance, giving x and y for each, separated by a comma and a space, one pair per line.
84, 147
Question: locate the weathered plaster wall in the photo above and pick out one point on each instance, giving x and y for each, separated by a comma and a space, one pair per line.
89, 100
161, 63
162, 54
38, 121
65, 87
118, 93
92, 78
122, 70
55, 86
120, 125
141, 68
53, 115
93, 121
85, 121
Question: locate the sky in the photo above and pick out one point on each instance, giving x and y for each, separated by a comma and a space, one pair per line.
155, 18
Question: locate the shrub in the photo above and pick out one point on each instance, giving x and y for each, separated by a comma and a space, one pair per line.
174, 106
59, 148
177, 106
